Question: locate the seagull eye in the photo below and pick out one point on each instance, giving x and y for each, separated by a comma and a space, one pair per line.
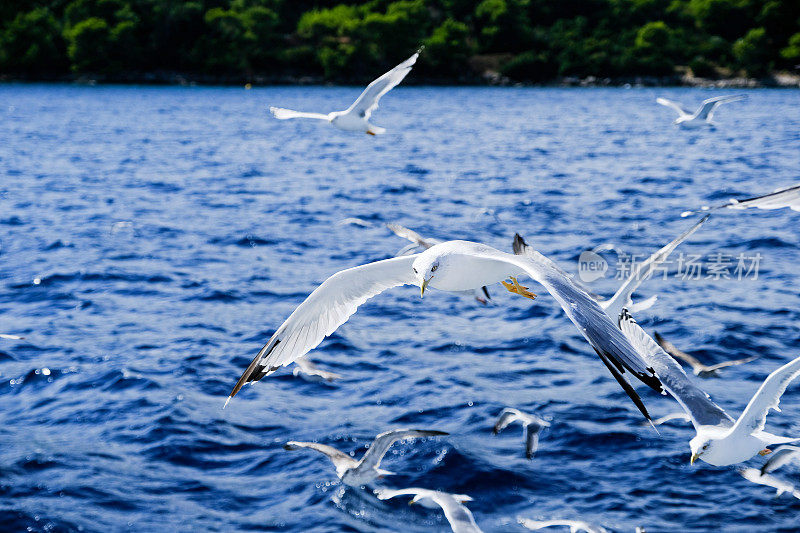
434, 268
415, 270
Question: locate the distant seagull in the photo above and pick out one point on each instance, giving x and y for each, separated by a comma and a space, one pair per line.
533, 426
671, 417
353, 221
420, 242
782, 455
720, 439
309, 371
780, 486
459, 517
451, 266
11, 337
575, 526
698, 368
703, 115
357, 473
356, 117
779, 199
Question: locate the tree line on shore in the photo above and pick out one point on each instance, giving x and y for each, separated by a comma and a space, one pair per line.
526, 40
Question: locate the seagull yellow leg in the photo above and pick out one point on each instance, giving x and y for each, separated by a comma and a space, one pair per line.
516, 288
370, 133
764, 452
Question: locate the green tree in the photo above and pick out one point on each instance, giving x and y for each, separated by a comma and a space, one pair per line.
792, 52
752, 52
448, 48
654, 48
32, 44
89, 45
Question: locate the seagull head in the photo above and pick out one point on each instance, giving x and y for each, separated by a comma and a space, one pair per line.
426, 267
700, 445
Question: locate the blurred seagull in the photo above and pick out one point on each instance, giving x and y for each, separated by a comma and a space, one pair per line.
459, 517
357, 473
356, 117
309, 371
778, 199
698, 368
533, 426
783, 455
720, 439
418, 241
575, 526
703, 115
450, 266
780, 486
11, 337
671, 417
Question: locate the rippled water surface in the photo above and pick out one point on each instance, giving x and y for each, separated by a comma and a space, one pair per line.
151, 239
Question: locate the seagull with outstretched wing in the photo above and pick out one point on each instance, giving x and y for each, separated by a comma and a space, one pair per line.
703, 115
458, 516
778, 199
533, 426
356, 117
698, 368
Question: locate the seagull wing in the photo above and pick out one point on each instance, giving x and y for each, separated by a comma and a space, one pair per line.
708, 107
672, 350
327, 308
310, 369
532, 431
674, 105
372, 458
337, 457
694, 401
672, 416
622, 298
613, 348
734, 362
573, 525
506, 417
786, 197
781, 456
367, 102
412, 236
284, 114
11, 337
387, 494
460, 518
768, 396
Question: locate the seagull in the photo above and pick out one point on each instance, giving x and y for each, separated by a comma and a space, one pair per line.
780, 486
449, 266
533, 426
698, 368
670, 417
640, 272
459, 517
418, 241
575, 526
11, 337
358, 473
720, 439
703, 115
309, 371
778, 199
356, 117
783, 455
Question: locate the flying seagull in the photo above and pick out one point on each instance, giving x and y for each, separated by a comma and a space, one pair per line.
11, 337
459, 517
356, 117
533, 426
698, 368
703, 115
778, 199
782, 455
640, 272
575, 526
449, 266
357, 473
720, 439
309, 371
418, 241
670, 417
780, 486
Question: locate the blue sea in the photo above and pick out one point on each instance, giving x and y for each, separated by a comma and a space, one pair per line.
153, 238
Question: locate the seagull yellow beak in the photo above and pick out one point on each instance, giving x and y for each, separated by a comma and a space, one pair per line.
424, 286
694, 458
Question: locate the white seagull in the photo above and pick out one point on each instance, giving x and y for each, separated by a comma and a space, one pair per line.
720, 439
671, 417
780, 486
533, 426
356, 117
419, 242
358, 473
459, 517
703, 115
575, 526
782, 455
639, 273
449, 266
698, 368
11, 337
778, 199
309, 371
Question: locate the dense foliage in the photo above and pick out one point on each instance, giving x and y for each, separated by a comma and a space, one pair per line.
532, 40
